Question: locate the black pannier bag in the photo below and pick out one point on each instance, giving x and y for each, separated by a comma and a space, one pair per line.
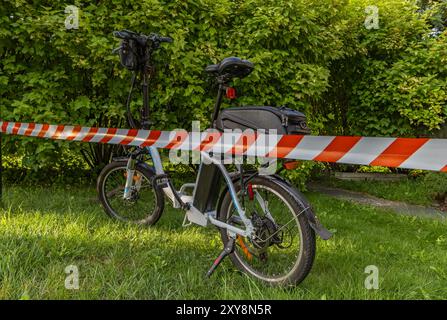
129, 54
284, 120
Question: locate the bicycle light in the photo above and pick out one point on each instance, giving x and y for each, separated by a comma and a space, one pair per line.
231, 93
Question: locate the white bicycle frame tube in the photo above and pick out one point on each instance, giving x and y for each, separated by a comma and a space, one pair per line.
155, 155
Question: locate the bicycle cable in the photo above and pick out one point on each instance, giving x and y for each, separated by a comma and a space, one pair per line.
130, 119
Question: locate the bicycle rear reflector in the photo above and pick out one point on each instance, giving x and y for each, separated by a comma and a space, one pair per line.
231, 93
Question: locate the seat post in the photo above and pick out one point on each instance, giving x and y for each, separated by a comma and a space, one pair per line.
218, 102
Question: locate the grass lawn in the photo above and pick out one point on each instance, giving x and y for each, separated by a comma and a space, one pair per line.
43, 230
421, 190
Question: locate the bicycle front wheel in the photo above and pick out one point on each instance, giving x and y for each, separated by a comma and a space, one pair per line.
145, 204
283, 249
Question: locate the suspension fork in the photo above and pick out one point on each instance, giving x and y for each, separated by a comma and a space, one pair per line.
130, 171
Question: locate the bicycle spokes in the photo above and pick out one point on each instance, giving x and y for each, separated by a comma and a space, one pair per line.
136, 203
276, 243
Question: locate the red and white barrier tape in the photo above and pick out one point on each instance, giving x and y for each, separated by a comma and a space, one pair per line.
410, 153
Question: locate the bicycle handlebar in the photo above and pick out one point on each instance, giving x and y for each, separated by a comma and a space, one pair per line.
142, 39
165, 39
148, 44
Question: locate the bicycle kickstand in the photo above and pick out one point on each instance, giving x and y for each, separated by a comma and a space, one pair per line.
229, 248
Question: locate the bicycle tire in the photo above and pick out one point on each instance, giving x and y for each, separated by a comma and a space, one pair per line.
305, 259
152, 217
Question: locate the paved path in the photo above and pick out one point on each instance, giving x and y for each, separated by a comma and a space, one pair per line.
362, 198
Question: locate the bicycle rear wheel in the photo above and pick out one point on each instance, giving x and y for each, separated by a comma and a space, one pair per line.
283, 250
145, 205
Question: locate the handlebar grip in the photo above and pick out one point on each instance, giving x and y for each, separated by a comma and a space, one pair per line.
165, 39
119, 34
125, 34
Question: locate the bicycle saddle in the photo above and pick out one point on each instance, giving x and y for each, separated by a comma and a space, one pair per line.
231, 67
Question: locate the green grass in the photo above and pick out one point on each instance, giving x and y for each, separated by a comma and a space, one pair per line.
44, 230
422, 190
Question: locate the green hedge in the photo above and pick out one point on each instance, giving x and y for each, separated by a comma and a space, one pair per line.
403, 83
312, 55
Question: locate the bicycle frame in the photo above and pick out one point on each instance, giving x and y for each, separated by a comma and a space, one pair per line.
193, 214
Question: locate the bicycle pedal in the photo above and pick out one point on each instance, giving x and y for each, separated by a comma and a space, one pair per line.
160, 181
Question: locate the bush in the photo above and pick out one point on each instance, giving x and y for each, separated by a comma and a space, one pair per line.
70, 169
406, 97
312, 55
54, 75
401, 82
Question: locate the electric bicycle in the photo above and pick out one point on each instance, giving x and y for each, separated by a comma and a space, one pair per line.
267, 227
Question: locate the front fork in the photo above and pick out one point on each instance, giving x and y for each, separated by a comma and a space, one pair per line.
130, 171
131, 178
